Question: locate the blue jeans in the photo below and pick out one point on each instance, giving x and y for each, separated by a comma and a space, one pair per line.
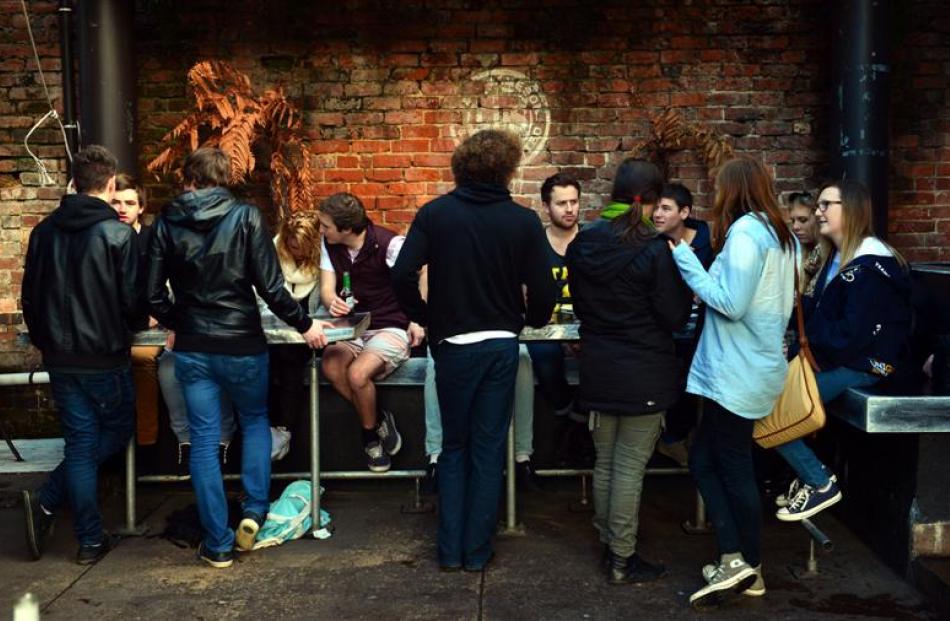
720, 461
97, 413
547, 358
476, 385
523, 408
243, 379
798, 455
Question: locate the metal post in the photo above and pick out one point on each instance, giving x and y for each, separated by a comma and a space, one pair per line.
861, 96
66, 62
316, 529
131, 529
511, 517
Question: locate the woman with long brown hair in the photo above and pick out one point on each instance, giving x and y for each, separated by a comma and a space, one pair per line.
858, 321
739, 365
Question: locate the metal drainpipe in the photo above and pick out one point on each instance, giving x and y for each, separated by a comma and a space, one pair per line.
66, 60
107, 98
861, 97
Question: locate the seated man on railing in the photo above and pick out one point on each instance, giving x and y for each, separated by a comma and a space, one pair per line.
355, 266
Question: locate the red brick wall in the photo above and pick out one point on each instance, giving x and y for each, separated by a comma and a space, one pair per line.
387, 93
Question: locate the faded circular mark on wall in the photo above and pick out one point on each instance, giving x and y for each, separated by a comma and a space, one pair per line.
508, 100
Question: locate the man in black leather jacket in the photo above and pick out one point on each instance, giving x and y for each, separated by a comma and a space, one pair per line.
215, 252
80, 304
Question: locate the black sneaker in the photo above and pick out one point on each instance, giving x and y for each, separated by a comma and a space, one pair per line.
90, 555
526, 477
39, 524
246, 532
430, 482
376, 458
218, 560
633, 570
388, 434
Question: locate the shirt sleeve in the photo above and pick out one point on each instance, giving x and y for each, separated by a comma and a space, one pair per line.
392, 251
325, 263
740, 266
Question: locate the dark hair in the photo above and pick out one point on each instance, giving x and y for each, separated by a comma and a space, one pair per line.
206, 167
124, 181
637, 182
801, 198
559, 180
678, 193
743, 185
489, 156
92, 169
346, 211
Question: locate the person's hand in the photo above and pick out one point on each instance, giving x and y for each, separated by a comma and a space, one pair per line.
170, 340
152, 322
338, 307
315, 337
673, 244
416, 334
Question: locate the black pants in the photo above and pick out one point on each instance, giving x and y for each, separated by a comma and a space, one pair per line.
288, 394
720, 461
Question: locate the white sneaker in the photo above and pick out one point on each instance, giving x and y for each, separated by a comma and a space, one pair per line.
756, 590
279, 443
731, 575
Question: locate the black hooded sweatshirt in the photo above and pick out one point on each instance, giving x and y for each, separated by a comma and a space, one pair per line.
215, 251
630, 298
481, 248
80, 299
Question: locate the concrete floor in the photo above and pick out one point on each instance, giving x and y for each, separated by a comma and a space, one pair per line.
380, 563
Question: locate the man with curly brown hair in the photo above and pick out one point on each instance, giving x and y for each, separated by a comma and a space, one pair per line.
487, 276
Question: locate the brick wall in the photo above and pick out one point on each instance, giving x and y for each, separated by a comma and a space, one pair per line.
388, 92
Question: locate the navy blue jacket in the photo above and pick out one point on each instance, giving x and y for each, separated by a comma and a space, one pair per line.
862, 319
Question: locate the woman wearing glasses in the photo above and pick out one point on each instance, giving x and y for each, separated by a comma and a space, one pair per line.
857, 319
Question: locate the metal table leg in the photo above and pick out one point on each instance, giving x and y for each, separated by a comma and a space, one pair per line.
511, 517
318, 531
131, 530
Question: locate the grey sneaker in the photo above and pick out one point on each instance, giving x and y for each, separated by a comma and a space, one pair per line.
376, 458
388, 434
246, 533
732, 575
756, 590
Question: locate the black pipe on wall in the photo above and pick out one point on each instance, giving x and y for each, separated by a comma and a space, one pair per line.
860, 99
107, 78
66, 61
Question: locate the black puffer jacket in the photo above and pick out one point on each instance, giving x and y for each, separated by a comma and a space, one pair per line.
80, 300
214, 251
629, 299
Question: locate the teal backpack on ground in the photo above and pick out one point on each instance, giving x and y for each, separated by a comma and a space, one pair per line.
289, 516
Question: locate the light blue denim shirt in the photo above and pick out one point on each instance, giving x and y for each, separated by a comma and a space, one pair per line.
749, 295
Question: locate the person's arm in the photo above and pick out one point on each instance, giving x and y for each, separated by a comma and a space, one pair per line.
540, 288
159, 302
670, 298
741, 263
27, 289
132, 303
853, 330
405, 273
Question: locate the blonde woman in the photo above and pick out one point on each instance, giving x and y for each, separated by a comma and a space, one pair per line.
298, 250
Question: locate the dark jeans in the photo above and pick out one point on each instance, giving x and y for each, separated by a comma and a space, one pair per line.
476, 385
547, 360
203, 377
720, 461
97, 414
